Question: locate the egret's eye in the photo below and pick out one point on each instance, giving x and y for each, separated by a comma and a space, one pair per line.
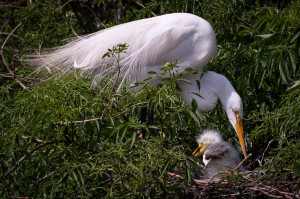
236, 113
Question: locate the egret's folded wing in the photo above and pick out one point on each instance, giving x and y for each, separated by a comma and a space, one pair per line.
216, 150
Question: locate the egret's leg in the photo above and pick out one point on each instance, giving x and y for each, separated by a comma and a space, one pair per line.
148, 113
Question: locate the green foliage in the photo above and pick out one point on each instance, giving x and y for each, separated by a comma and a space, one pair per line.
258, 53
281, 126
105, 150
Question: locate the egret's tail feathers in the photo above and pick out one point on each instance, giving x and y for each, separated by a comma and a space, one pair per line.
86, 54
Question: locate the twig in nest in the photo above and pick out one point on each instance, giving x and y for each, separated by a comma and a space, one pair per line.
230, 173
262, 158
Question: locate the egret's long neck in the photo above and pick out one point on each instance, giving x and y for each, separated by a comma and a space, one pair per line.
212, 87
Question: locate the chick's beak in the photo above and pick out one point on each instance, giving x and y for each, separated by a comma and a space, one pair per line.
200, 150
240, 132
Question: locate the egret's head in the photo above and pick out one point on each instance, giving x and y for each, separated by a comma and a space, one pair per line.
208, 137
234, 112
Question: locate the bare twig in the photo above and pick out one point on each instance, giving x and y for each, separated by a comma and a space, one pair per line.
127, 109
4, 60
9, 5
262, 158
66, 3
73, 28
264, 192
246, 158
13, 35
2, 47
144, 7
11, 72
43, 178
51, 165
27, 79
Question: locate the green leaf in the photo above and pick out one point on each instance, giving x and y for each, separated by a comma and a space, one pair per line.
123, 134
133, 137
165, 167
197, 94
191, 70
198, 84
188, 174
292, 59
152, 73
194, 117
80, 177
282, 74
184, 80
265, 36
194, 104
75, 177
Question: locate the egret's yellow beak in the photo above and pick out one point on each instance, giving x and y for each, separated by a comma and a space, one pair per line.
200, 150
239, 129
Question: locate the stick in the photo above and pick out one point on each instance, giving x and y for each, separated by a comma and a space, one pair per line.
73, 29
43, 178
144, 7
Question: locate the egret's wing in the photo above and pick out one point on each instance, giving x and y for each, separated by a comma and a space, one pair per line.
216, 150
171, 44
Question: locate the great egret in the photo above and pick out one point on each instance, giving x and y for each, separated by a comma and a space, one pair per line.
182, 37
217, 154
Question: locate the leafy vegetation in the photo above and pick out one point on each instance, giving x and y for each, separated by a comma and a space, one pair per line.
62, 138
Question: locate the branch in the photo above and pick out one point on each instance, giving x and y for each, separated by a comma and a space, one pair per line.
26, 79
43, 178
17, 164
7, 187
5, 33
262, 158
246, 158
51, 165
11, 72
73, 29
144, 7
4, 60
2, 47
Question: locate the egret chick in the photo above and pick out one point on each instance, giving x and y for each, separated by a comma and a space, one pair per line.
218, 155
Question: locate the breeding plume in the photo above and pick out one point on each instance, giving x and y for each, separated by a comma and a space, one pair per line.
218, 155
181, 37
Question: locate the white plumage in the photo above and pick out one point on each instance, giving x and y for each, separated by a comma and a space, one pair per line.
218, 155
152, 42
181, 37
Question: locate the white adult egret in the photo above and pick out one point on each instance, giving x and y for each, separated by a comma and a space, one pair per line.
218, 155
181, 37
